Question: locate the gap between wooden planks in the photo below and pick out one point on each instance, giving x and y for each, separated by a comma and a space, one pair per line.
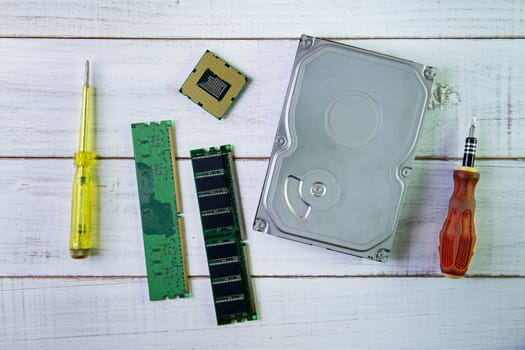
306, 313
250, 19
38, 191
475, 78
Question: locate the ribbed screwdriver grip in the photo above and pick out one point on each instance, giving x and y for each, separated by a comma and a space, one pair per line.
457, 239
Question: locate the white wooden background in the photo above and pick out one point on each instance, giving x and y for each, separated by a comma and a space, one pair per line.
307, 297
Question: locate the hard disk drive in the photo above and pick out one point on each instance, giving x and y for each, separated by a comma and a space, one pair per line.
343, 150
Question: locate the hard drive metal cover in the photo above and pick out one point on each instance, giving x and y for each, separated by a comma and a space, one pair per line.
344, 147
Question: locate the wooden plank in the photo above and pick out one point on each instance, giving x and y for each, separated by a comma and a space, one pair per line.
237, 18
139, 81
408, 313
35, 209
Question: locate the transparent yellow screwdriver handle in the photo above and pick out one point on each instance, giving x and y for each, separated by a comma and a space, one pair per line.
82, 206
83, 182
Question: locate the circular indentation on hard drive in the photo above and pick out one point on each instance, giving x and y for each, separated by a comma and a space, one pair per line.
319, 189
353, 120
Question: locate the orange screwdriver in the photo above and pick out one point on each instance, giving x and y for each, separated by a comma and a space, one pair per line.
457, 239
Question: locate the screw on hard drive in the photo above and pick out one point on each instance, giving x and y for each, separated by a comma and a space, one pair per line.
405, 172
382, 255
259, 225
430, 72
306, 42
281, 141
318, 189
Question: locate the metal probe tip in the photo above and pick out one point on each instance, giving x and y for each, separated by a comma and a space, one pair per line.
86, 79
472, 127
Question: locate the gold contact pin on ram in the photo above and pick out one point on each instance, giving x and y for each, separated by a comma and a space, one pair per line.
178, 202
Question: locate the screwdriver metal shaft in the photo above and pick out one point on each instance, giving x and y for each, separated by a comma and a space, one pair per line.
457, 239
83, 186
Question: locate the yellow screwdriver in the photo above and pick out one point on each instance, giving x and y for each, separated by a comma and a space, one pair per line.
83, 184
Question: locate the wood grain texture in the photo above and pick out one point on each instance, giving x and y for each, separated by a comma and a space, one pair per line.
308, 297
138, 80
327, 313
262, 19
36, 198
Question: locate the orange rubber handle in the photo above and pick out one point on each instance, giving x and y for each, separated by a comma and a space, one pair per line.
457, 239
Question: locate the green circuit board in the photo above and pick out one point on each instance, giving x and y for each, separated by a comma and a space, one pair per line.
160, 209
223, 234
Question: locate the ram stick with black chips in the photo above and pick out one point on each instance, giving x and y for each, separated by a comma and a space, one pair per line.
223, 234
160, 208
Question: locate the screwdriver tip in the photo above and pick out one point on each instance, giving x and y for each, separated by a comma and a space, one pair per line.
86, 79
472, 127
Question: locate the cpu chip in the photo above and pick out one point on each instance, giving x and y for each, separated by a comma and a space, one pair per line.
213, 84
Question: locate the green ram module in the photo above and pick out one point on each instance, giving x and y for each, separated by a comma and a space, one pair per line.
223, 234
160, 208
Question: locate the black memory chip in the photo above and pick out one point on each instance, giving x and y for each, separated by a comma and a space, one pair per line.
212, 84
207, 163
208, 183
214, 221
223, 289
231, 268
233, 307
215, 201
221, 251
